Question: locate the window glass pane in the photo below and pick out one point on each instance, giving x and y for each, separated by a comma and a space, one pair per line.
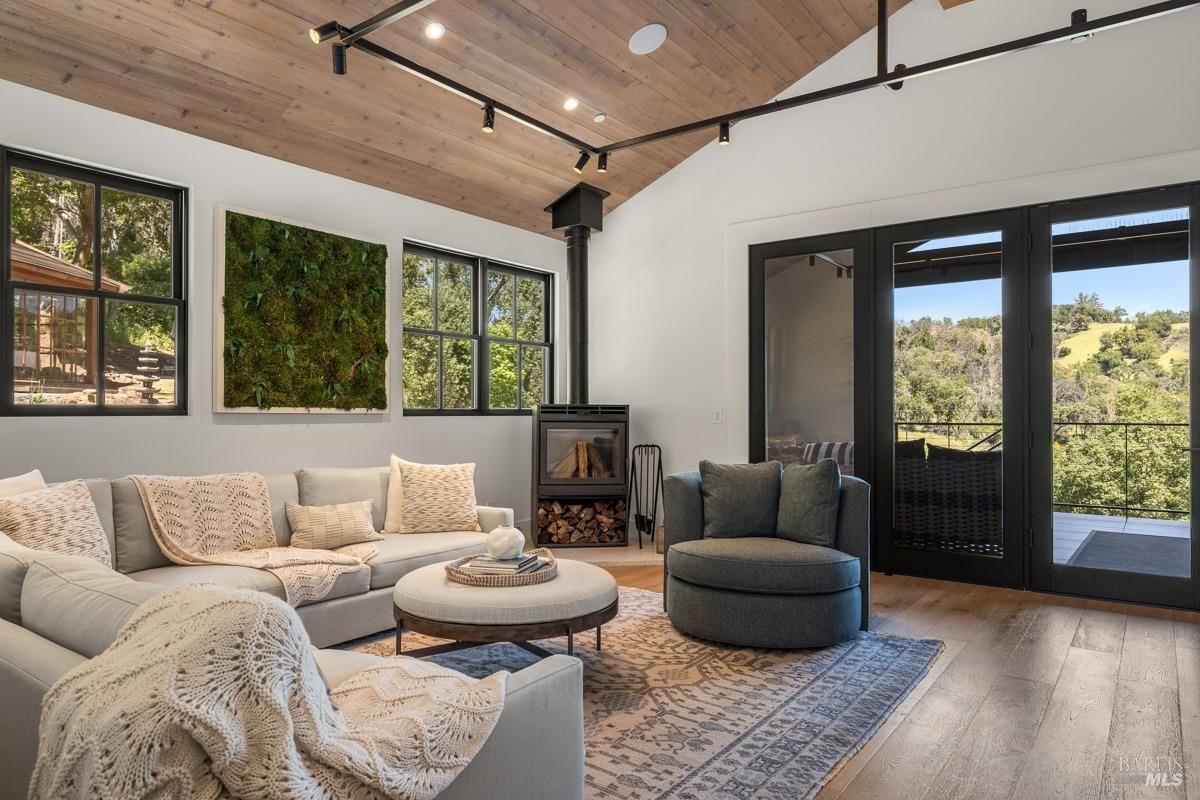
52, 225
502, 376
531, 310
533, 376
418, 292
139, 354
135, 243
500, 305
420, 371
454, 297
458, 373
54, 350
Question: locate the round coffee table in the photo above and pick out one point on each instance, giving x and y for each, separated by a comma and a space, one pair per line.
580, 598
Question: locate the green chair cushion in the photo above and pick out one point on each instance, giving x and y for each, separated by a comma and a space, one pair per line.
763, 564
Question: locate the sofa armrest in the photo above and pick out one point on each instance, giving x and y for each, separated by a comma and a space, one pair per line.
491, 518
854, 533
536, 750
29, 666
683, 507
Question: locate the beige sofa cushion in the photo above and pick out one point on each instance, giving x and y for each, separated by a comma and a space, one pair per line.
330, 486
60, 519
331, 527
400, 554
347, 584
14, 563
78, 603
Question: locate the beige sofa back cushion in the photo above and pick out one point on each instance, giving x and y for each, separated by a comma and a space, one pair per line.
331, 486
136, 549
79, 604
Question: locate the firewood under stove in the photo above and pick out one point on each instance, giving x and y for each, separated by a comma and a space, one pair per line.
586, 522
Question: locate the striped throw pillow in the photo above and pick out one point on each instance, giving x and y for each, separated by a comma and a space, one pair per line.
841, 452
437, 498
331, 527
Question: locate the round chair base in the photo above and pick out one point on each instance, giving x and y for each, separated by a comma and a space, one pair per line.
772, 621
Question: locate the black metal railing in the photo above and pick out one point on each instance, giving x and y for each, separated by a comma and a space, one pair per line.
953, 432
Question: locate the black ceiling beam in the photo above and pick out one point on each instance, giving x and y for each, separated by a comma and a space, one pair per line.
885, 76
921, 70
383, 19
465, 91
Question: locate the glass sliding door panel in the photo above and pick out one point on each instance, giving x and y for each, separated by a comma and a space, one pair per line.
809, 315
1120, 366
948, 436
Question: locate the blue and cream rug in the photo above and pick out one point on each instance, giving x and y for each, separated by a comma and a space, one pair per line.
669, 716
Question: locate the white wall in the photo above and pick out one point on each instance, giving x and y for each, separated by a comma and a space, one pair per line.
1117, 112
203, 441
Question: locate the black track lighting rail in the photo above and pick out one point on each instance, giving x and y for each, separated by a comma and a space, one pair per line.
892, 77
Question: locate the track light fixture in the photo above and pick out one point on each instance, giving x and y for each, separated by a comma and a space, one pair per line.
489, 118
602, 163
323, 33
723, 136
339, 59
584, 157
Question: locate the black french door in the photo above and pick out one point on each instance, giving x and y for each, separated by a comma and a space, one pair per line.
949, 386
1016, 385
1112, 476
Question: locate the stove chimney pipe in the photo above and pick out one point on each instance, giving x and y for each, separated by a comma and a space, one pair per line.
580, 211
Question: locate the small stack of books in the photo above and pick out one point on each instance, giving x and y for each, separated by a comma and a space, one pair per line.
486, 565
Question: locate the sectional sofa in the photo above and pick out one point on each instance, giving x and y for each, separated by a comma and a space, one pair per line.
56, 611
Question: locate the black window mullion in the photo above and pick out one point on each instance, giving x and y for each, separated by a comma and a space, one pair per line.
98, 180
101, 305
483, 366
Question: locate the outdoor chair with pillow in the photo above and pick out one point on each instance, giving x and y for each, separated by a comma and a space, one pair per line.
761, 556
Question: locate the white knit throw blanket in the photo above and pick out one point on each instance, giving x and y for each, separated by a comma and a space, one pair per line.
226, 519
211, 693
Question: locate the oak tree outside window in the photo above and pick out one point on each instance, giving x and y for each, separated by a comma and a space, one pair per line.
92, 304
476, 335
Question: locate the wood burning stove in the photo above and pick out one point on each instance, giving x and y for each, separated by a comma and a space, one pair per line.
580, 454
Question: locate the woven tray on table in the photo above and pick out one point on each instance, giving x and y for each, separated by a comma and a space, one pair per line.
548, 571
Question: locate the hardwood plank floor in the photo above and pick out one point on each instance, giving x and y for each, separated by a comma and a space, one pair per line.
1035, 696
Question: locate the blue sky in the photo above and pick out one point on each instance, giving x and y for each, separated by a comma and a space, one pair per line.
1145, 287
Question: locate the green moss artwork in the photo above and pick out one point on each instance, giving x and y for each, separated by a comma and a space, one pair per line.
305, 318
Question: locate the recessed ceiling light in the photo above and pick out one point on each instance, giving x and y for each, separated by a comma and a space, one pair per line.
570, 104
435, 30
600, 117
648, 39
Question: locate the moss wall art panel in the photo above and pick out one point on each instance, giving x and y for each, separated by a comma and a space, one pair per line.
305, 319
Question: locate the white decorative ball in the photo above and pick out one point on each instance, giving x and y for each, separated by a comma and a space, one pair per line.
505, 542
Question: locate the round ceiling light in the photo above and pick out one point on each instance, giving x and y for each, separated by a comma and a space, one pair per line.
435, 30
648, 39
570, 104
600, 117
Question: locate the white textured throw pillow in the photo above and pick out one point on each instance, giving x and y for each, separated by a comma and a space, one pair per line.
331, 527
393, 517
29, 482
60, 519
436, 498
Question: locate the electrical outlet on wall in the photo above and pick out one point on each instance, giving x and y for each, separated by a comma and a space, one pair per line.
718, 416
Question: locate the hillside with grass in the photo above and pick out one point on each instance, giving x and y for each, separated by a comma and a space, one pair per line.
1109, 367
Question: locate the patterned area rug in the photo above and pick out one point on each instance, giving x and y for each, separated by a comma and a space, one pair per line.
669, 716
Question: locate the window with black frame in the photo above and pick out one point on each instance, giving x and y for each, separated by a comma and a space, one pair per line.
476, 335
94, 310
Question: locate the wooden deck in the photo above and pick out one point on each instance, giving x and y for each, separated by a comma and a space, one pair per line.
1071, 529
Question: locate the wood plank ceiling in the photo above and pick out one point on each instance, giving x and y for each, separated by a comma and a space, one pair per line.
244, 72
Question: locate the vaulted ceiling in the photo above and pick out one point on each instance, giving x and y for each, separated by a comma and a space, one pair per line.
244, 72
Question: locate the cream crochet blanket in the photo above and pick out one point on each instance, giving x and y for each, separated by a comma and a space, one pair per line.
212, 693
226, 519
